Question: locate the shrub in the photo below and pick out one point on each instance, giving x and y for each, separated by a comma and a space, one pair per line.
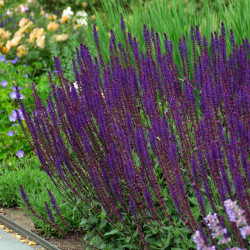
131, 136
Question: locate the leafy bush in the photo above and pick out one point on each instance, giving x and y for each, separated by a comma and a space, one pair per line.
11, 75
135, 137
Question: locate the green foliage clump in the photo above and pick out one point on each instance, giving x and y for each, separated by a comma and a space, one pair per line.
27, 172
21, 76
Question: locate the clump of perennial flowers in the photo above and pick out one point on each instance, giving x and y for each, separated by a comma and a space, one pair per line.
138, 109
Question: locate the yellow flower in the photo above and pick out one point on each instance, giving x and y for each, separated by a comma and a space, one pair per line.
84, 4
64, 19
52, 26
52, 17
22, 22
6, 35
32, 38
26, 28
2, 31
14, 42
36, 34
5, 50
8, 45
1, 3
60, 38
40, 42
21, 50
77, 26
39, 31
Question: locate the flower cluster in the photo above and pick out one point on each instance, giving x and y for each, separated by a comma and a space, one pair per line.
236, 215
30, 36
200, 242
138, 109
218, 232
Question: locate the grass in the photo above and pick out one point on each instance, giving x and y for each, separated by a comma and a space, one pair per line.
174, 17
35, 181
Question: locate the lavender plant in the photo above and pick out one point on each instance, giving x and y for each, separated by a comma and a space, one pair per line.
132, 134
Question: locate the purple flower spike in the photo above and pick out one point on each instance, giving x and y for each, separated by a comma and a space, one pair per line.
10, 133
3, 83
20, 154
24, 195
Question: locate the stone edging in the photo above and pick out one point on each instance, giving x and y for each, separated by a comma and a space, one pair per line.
26, 233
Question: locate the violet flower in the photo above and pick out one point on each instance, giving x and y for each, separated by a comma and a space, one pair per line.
234, 213
218, 232
200, 242
4, 83
13, 95
20, 154
10, 133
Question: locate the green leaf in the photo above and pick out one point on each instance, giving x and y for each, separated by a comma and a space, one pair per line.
112, 232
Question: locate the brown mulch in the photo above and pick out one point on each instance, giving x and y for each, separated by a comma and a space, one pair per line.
18, 216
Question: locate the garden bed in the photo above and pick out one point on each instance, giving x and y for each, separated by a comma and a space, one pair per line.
18, 216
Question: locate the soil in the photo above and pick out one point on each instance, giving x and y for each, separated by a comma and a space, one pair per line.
18, 216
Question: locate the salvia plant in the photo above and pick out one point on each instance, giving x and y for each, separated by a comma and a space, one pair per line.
130, 134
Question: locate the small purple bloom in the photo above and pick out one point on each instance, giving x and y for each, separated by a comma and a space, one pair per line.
20, 154
14, 125
10, 133
13, 95
55, 71
3, 58
245, 231
13, 116
24, 65
14, 88
14, 61
4, 83
25, 76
